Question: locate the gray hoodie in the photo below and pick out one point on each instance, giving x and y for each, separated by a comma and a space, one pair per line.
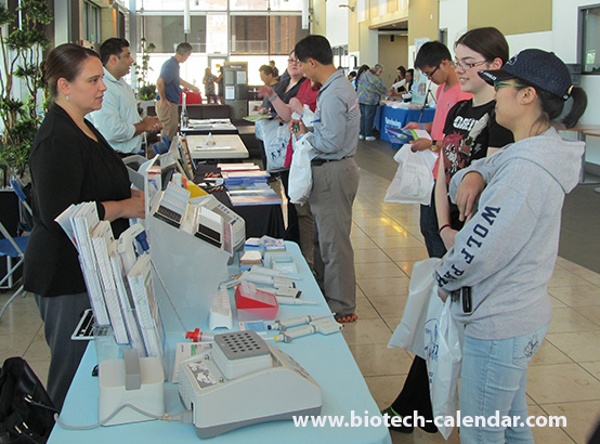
507, 251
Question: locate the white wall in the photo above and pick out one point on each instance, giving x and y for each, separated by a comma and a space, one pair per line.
337, 22
519, 42
453, 17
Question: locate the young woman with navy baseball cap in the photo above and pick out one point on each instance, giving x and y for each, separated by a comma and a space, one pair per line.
507, 250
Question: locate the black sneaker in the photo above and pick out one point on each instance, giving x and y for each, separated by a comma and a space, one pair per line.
401, 428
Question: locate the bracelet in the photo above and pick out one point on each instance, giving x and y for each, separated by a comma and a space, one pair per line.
273, 97
422, 126
443, 227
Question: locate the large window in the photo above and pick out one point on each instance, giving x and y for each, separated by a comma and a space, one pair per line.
91, 23
275, 34
590, 40
166, 31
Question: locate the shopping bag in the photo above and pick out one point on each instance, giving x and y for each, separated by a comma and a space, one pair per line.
300, 180
443, 347
410, 333
413, 181
275, 140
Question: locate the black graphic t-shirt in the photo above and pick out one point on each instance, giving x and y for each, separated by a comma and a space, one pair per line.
469, 131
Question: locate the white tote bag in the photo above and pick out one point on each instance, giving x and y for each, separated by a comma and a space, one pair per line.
444, 339
300, 180
410, 333
275, 136
413, 181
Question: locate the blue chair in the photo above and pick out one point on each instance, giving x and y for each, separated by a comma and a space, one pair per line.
160, 148
166, 140
14, 246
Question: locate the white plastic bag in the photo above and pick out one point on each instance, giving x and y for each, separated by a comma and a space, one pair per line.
413, 181
300, 180
410, 333
275, 137
444, 339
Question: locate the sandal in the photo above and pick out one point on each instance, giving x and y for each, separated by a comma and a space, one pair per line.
346, 319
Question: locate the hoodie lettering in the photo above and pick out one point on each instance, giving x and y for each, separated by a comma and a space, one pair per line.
474, 242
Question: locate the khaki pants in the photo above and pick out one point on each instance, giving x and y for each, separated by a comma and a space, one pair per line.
335, 185
168, 114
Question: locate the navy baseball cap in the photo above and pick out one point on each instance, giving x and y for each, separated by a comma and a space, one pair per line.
542, 69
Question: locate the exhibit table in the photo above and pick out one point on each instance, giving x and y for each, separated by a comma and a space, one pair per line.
216, 146
326, 358
399, 116
260, 219
205, 126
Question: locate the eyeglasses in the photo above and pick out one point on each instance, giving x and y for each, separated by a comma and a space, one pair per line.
294, 61
503, 84
467, 65
430, 75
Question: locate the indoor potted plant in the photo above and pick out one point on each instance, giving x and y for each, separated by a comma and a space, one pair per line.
22, 41
146, 90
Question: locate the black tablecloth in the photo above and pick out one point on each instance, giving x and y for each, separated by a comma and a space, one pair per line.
260, 219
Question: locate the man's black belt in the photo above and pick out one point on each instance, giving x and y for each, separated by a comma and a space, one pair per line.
319, 162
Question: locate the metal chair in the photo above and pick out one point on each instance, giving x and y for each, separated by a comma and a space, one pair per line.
14, 246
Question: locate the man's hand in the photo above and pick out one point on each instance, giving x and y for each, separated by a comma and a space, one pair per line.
297, 128
151, 124
412, 125
421, 144
468, 193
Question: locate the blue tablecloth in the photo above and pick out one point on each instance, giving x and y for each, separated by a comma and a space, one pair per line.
326, 358
399, 117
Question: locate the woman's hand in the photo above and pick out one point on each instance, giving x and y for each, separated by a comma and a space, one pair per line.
265, 91
134, 207
448, 235
468, 193
442, 296
296, 106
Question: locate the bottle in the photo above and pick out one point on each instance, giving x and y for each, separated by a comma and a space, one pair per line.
184, 114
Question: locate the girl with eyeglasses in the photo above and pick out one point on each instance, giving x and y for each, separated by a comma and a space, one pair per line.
470, 131
506, 252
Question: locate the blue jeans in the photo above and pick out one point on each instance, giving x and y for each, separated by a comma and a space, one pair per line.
367, 119
493, 379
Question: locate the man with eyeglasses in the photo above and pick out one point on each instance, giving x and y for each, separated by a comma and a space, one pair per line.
335, 173
435, 62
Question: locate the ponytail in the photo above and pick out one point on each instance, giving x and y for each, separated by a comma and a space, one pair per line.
579, 98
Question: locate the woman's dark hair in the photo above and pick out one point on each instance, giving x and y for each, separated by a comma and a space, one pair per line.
402, 70
65, 61
553, 106
489, 42
362, 69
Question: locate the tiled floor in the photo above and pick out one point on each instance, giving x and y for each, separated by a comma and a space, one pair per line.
564, 378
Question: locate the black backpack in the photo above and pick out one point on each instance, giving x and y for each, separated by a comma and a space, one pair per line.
26, 410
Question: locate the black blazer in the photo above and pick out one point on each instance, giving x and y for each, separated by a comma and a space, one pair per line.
67, 167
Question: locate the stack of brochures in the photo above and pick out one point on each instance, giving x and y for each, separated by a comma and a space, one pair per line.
237, 178
121, 298
253, 194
